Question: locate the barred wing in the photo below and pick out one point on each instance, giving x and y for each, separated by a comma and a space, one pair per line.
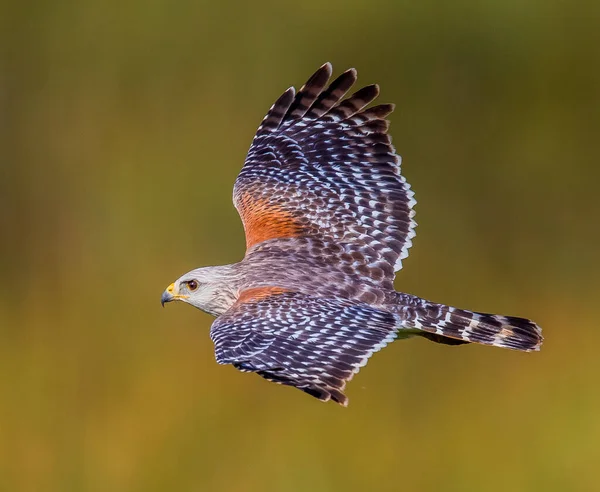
324, 168
314, 344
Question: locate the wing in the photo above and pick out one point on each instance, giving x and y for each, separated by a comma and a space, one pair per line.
314, 344
324, 168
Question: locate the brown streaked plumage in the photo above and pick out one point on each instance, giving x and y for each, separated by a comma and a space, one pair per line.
328, 220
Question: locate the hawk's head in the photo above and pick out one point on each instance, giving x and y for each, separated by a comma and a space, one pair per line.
211, 289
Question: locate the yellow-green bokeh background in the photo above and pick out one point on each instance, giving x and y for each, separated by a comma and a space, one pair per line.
122, 128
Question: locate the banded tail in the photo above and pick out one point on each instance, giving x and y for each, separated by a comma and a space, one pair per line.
453, 326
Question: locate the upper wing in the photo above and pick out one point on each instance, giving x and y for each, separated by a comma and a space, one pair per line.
324, 168
315, 344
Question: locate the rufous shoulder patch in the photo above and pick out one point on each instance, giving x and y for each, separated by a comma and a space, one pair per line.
258, 293
264, 220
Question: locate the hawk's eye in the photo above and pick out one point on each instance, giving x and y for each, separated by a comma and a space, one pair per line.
192, 285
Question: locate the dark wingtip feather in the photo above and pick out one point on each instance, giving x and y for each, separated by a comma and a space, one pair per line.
367, 93
355, 103
327, 66
316, 100
277, 112
378, 112
309, 92
333, 94
338, 397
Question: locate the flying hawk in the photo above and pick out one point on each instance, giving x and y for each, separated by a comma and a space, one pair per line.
328, 219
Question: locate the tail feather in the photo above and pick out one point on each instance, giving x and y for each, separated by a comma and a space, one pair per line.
439, 322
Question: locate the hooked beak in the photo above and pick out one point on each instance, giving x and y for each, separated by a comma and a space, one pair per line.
170, 295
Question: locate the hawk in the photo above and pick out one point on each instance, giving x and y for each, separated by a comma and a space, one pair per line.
328, 219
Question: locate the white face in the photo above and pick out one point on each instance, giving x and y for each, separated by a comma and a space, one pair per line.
208, 289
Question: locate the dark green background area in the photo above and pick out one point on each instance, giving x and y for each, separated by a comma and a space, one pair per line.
122, 128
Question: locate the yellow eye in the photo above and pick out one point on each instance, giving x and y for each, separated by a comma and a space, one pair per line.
192, 285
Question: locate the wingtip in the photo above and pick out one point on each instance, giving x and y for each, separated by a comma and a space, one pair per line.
368, 92
327, 66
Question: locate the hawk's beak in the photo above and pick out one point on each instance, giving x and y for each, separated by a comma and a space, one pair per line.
166, 296
170, 295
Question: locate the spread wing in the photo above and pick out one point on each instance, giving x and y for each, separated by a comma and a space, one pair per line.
324, 168
314, 344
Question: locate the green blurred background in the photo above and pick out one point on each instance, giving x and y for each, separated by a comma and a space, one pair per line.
122, 128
